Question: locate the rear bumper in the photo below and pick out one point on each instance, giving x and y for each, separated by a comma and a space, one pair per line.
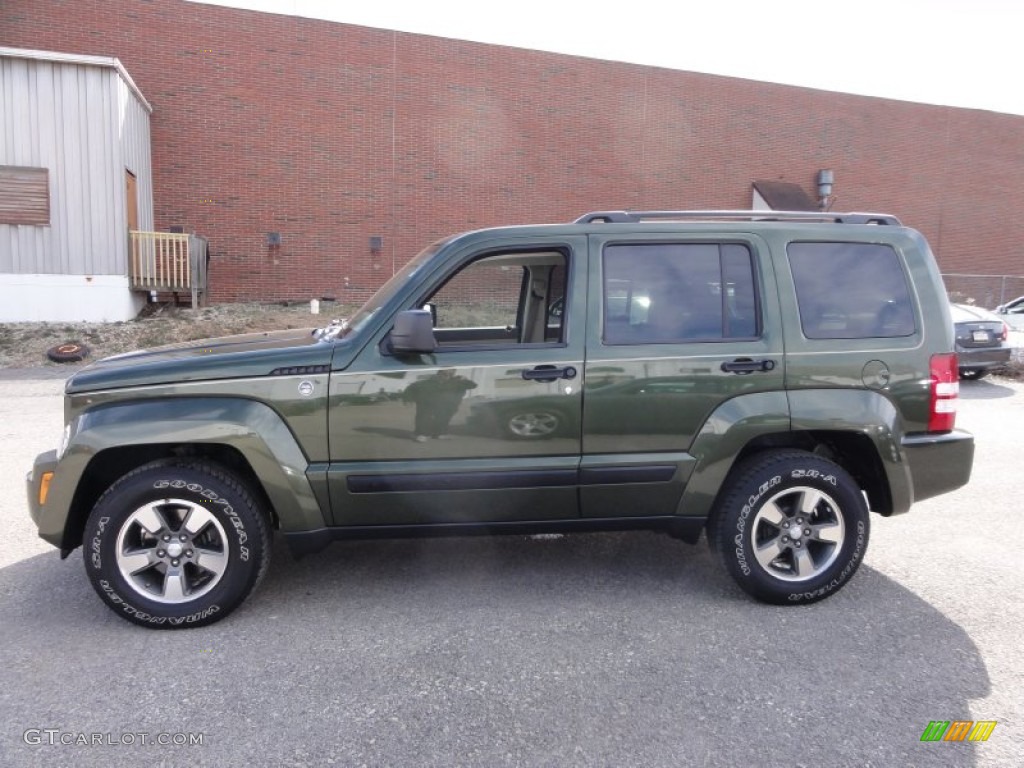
939, 463
982, 358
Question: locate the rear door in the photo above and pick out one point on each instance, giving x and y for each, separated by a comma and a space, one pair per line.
487, 429
680, 326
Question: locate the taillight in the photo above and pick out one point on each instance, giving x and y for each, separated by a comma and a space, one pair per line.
1006, 332
945, 389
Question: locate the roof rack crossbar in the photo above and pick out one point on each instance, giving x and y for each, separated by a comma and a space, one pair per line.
633, 217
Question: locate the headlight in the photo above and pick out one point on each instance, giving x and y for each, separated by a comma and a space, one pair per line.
65, 438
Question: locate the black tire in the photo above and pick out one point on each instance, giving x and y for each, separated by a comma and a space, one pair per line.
754, 527
973, 374
176, 545
68, 352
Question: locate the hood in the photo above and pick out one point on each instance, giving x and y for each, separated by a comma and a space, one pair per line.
243, 356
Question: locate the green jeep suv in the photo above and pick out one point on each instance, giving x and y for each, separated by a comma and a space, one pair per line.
764, 377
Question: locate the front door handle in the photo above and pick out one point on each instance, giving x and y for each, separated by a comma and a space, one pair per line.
746, 365
549, 373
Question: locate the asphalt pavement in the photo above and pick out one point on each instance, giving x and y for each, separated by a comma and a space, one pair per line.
590, 650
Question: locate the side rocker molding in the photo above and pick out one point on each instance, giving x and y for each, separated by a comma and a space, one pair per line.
302, 543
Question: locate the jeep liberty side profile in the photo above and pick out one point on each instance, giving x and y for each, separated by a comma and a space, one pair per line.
764, 377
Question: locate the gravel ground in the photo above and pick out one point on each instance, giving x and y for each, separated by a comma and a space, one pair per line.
24, 345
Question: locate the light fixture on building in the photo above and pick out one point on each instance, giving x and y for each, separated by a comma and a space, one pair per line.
376, 243
825, 181
273, 239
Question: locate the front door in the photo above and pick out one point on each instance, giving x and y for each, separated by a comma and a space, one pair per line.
487, 429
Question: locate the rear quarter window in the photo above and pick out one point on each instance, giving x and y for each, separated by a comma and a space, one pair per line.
851, 291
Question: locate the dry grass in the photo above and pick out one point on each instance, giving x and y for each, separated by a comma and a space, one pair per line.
1013, 369
24, 345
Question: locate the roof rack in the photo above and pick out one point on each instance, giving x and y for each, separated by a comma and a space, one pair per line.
633, 217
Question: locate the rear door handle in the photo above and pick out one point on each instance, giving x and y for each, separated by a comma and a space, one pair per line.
746, 365
549, 373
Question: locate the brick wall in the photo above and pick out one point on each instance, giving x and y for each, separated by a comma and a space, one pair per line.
331, 134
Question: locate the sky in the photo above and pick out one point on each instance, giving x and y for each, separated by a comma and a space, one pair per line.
961, 53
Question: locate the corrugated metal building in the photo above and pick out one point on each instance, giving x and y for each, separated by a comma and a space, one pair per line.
75, 177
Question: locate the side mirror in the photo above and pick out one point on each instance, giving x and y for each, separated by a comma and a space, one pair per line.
413, 333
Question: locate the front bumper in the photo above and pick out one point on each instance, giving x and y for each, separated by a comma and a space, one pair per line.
45, 462
939, 463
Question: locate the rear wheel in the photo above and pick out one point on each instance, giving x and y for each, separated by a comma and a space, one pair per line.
791, 528
172, 545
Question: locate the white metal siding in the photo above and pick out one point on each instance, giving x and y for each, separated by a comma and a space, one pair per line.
85, 125
133, 126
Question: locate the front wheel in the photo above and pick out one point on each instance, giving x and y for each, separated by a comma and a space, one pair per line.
791, 528
173, 545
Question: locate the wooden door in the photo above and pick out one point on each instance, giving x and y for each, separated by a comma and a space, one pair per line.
132, 198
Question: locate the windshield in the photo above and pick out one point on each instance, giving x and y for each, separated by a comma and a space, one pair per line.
362, 315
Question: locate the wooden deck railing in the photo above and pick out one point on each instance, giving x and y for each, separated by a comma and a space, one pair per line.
167, 261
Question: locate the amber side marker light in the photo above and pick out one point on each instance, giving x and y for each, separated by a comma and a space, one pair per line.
44, 486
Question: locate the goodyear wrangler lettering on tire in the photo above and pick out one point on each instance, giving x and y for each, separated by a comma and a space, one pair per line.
136, 615
795, 525
210, 495
143, 617
812, 473
742, 522
176, 544
94, 546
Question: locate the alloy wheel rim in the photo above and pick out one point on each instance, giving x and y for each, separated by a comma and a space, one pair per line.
172, 551
797, 534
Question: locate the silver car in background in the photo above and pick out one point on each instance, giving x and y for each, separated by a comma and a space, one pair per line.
1012, 312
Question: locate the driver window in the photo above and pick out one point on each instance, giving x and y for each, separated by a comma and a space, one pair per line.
504, 298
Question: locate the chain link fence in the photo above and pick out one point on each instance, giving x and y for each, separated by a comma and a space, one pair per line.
988, 291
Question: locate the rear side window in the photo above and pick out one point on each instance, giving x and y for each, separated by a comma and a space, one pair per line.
678, 293
851, 291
